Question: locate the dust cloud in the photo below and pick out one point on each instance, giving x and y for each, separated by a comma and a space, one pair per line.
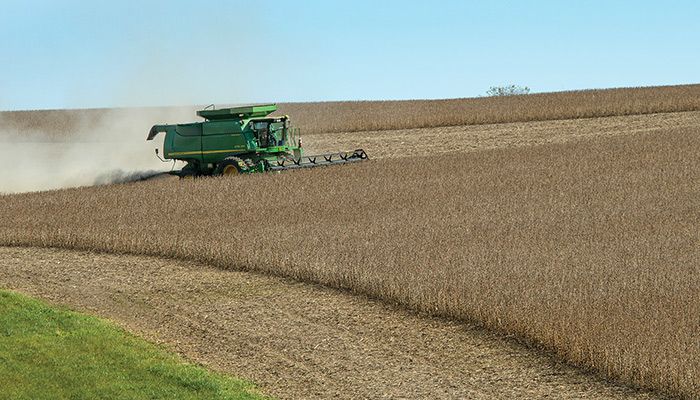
95, 147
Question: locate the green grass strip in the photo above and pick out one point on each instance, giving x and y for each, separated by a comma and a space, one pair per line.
52, 353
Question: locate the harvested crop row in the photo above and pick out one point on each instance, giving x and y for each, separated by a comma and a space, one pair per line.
588, 248
353, 116
460, 139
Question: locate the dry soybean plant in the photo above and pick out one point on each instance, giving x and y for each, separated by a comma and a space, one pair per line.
353, 116
590, 249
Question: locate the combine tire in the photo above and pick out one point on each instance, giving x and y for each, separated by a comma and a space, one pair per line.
189, 175
231, 166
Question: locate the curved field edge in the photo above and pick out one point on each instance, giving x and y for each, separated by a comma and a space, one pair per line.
589, 249
355, 116
51, 352
298, 340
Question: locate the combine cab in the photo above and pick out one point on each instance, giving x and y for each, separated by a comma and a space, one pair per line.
241, 140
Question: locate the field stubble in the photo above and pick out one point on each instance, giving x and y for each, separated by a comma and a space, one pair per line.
588, 248
459, 139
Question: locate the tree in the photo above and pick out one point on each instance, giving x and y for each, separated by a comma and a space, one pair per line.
510, 90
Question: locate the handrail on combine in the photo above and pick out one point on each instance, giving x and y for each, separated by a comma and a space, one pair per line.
293, 135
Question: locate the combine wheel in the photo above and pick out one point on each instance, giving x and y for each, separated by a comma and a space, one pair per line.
190, 171
231, 166
189, 175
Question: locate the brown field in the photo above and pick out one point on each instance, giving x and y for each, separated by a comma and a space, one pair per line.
296, 340
589, 248
353, 116
463, 139
388, 115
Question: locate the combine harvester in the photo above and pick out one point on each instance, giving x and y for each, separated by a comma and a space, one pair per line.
241, 140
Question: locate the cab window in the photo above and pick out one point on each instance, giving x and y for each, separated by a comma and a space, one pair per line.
259, 126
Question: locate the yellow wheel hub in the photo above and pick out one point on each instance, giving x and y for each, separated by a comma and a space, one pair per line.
230, 170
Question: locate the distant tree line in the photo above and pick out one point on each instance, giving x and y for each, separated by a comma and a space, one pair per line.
510, 90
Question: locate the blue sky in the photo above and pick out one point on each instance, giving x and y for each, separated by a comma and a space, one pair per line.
72, 54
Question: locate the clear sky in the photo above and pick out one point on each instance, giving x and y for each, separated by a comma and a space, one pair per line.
70, 54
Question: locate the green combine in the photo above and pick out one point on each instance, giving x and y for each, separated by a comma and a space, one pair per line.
241, 140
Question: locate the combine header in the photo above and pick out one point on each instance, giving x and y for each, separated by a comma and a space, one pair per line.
241, 140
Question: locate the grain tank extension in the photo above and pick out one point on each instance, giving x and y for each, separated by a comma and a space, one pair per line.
241, 140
